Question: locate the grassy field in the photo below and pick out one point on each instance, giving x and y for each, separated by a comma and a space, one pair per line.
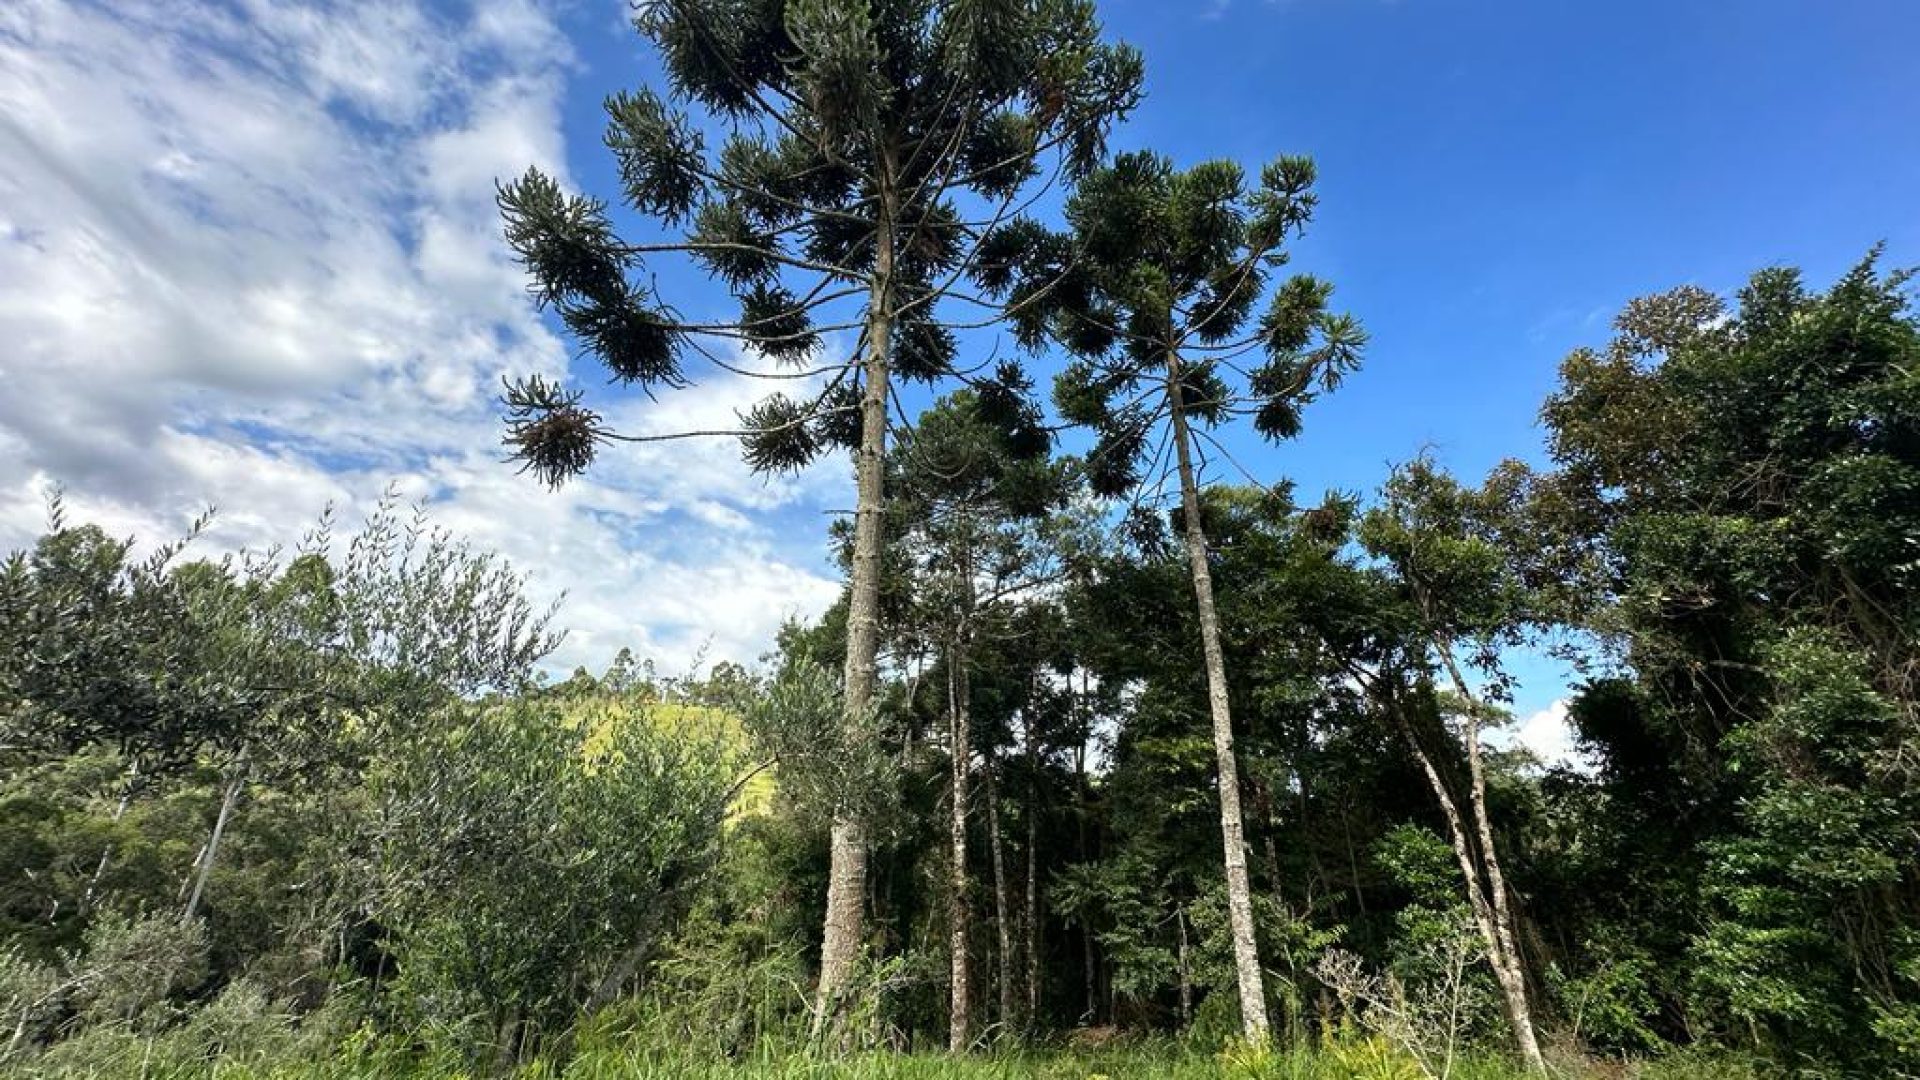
133, 1058
1354, 1062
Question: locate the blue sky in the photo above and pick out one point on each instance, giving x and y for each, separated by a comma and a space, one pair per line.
248, 255
1498, 178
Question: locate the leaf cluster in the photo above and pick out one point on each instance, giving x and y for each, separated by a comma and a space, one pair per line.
841, 155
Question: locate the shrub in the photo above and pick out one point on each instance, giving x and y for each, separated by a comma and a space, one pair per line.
133, 964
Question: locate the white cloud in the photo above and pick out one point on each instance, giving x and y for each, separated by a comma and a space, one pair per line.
1550, 737
251, 259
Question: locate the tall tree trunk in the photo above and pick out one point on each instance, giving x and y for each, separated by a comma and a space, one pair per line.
1003, 972
1505, 965
959, 1020
1246, 951
1032, 1017
1513, 980
208, 854
847, 845
1090, 971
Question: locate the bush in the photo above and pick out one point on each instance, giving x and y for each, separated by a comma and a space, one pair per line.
29, 994
132, 965
243, 1026
1610, 1002
534, 862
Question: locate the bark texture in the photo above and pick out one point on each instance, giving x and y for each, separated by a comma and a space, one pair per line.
1511, 972
1032, 1016
959, 1013
847, 846
1246, 952
1003, 928
1487, 896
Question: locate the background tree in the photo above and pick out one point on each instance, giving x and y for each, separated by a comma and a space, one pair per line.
1322, 785
618, 816
90, 636
871, 148
259, 667
1740, 485
971, 479
332, 652
1446, 548
1157, 286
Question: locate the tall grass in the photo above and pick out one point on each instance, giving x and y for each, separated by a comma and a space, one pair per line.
126, 1054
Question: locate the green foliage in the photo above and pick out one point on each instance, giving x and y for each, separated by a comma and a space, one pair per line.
1124, 905
1744, 479
1289, 944
855, 135
29, 998
1422, 864
1611, 1003
254, 657
132, 965
1348, 1057
98, 647
1158, 281
427, 864
827, 764
617, 831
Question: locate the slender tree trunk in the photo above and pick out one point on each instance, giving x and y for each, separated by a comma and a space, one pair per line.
1091, 972
1513, 980
959, 1020
228, 797
1003, 972
1506, 968
632, 962
1303, 799
106, 854
847, 845
1033, 879
1246, 952
1264, 806
1186, 966
1092, 1011
1353, 866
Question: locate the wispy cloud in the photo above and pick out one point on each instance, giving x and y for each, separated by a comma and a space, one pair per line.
251, 259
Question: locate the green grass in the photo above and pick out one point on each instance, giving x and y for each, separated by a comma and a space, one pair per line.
1107, 1065
1113, 1064
123, 1054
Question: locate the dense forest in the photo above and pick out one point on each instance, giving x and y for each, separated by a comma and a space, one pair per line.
1112, 759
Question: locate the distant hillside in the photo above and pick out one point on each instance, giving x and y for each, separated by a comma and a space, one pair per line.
702, 727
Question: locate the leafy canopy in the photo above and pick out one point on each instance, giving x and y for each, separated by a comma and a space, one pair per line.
1159, 279
864, 152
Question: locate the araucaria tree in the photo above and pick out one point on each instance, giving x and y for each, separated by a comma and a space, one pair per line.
971, 481
867, 149
1155, 292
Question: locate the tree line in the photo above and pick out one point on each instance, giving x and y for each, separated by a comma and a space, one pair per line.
1094, 740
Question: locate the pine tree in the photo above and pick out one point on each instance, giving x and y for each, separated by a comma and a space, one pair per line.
870, 148
1154, 292
971, 480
